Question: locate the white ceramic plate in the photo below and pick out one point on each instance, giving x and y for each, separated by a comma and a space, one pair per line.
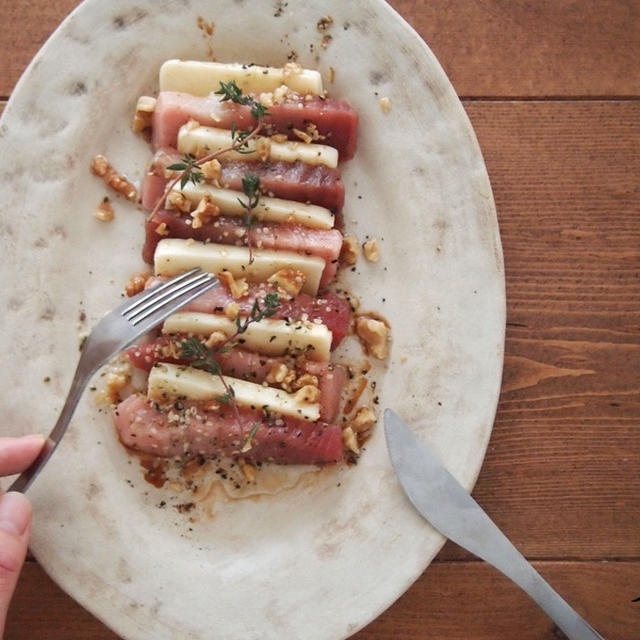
326, 557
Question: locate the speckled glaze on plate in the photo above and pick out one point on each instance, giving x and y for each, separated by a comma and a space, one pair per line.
320, 560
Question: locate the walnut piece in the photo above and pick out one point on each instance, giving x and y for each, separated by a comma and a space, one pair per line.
205, 212
104, 211
371, 250
289, 281
144, 113
375, 336
237, 288
135, 284
177, 200
363, 420
101, 167
350, 250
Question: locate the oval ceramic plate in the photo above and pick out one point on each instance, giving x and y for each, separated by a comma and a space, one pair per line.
324, 558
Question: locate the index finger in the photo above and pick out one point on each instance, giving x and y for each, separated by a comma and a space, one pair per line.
16, 454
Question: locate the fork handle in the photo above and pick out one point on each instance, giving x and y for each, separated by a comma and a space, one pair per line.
24, 480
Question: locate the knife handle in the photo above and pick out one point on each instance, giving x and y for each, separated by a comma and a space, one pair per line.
508, 560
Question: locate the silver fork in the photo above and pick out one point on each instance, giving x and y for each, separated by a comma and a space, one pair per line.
111, 335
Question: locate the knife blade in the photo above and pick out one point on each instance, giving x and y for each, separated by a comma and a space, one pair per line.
448, 507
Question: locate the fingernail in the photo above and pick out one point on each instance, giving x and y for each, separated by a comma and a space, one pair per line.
33, 436
15, 513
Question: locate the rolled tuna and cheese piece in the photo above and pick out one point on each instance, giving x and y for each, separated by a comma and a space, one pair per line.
194, 431
325, 245
310, 184
199, 141
329, 121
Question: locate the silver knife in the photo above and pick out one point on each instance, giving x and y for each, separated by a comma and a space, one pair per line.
441, 500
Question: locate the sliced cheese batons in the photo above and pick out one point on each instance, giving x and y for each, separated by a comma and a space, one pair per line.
200, 141
174, 256
170, 381
267, 209
202, 78
268, 336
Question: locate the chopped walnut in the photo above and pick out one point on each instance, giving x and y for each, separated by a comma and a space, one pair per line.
104, 211
135, 284
248, 470
205, 212
363, 420
375, 336
266, 99
237, 288
308, 393
232, 310
371, 250
281, 374
385, 104
144, 113
100, 167
279, 137
162, 229
304, 380
324, 23
289, 280
211, 170
177, 200
263, 148
215, 339
326, 39
281, 93
302, 135
350, 440
350, 250
291, 69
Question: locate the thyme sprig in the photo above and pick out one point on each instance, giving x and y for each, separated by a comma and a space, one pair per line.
271, 302
251, 189
190, 168
230, 91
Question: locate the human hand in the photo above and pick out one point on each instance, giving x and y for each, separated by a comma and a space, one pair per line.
16, 454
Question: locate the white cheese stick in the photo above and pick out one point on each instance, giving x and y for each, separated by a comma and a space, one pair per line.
270, 337
169, 381
174, 256
201, 78
267, 209
200, 141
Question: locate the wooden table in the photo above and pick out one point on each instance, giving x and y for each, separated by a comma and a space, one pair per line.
553, 91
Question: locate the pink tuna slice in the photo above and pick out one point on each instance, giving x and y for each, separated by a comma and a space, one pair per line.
219, 433
335, 120
325, 244
297, 181
332, 310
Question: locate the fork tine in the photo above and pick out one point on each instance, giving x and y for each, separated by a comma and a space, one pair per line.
150, 293
164, 293
153, 317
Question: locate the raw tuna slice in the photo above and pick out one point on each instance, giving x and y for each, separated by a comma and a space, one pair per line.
336, 122
297, 181
181, 432
329, 308
323, 243
246, 365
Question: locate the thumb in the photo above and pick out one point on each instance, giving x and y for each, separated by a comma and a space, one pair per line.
15, 519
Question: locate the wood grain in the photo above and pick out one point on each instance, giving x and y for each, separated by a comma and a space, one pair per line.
565, 441
490, 48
